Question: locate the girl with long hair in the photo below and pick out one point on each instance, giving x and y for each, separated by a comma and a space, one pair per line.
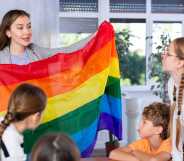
173, 63
25, 108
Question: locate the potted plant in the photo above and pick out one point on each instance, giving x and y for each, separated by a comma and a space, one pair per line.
155, 69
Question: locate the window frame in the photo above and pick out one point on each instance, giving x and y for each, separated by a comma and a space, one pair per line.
104, 13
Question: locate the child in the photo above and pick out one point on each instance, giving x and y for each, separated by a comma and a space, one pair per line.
25, 108
173, 63
154, 143
55, 147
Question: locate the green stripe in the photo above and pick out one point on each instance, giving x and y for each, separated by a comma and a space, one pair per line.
113, 87
69, 123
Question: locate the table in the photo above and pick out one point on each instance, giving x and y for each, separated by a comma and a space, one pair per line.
96, 159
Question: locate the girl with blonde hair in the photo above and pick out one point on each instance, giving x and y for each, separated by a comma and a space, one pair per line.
173, 63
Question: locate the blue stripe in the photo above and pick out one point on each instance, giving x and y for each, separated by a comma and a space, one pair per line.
86, 137
111, 105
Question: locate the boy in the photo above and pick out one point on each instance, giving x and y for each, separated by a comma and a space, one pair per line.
154, 144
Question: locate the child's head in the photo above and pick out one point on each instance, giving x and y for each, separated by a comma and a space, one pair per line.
155, 121
55, 147
173, 57
26, 103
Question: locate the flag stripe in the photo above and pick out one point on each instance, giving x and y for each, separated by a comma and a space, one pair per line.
113, 87
108, 101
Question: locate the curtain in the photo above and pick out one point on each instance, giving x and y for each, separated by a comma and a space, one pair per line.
44, 18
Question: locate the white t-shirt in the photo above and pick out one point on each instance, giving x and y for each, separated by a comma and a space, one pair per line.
176, 155
13, 141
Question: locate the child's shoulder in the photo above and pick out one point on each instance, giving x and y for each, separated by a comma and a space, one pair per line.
166, 141
140, 143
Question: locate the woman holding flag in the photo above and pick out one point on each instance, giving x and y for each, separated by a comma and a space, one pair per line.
16, 45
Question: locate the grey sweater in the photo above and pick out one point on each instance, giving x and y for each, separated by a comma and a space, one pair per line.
35, 53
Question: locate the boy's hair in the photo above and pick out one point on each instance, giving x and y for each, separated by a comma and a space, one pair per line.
159, 114
55, 147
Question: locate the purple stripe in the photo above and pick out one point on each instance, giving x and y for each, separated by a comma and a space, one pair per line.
107, 122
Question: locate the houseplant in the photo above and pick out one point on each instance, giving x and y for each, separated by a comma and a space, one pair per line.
155, 69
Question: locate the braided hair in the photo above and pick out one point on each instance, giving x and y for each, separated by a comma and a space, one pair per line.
178, 102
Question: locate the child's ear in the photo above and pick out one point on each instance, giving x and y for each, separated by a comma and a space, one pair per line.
159, 130
35, 116
180, 64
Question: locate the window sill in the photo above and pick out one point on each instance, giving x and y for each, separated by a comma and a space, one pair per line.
136, 88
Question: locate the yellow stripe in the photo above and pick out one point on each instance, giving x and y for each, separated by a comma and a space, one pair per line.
86, 92
114, 68
2, 113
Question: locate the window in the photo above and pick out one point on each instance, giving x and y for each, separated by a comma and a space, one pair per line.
73, 30
79, 5
130, 43
136, 6
172, 29
163, 33
143, 20
169, 6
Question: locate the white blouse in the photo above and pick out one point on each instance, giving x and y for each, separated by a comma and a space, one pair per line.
13, 141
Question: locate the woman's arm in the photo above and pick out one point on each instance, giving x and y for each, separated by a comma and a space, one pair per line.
47, 52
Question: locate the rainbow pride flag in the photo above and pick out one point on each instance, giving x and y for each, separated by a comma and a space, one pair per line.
83, 89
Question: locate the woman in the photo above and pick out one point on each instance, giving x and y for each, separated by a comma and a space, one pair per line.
55, 147
25, 108
16, 45
16, 40
173, 63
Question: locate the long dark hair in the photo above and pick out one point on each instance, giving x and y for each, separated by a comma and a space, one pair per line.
6, 23
25, 100
55, 147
